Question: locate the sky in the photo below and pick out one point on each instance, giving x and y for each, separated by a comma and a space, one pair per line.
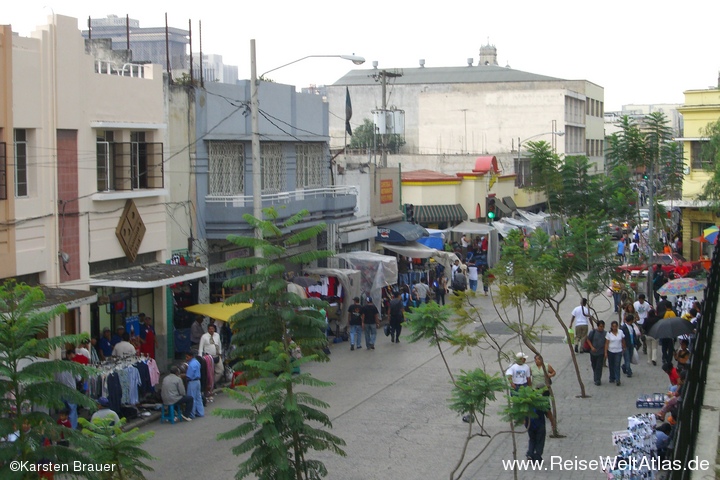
640, 51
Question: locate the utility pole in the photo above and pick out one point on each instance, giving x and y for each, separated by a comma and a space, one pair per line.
384, 74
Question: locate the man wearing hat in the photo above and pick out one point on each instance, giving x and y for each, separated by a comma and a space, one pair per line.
519, 372
370, 323
355, 311
104, 411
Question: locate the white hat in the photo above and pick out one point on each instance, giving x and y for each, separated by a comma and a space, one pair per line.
520, 355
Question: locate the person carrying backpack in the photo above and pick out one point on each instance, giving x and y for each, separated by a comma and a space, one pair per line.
460, 282
397, 317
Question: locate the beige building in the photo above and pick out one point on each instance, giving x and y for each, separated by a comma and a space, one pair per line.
85, 194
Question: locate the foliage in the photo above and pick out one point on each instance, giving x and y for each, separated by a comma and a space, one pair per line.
109, 445
710, 153
672, 171
523, 404
544, 171
279, 420
27, 383
473, 390
429, 322
365, 137
626, 147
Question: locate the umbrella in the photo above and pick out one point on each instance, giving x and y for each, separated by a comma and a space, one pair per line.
681, 286
671, 327
700, 239
711, 233
219, 310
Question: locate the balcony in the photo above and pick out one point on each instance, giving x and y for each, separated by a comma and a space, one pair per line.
224, 214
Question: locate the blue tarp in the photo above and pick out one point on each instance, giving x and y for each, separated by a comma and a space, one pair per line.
432, 242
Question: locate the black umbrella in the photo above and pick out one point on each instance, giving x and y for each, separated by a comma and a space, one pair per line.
671, 328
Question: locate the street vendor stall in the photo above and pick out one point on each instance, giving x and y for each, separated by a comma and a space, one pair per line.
376, 271
351, 287
473, 228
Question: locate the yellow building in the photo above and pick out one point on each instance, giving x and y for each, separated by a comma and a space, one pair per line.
701, 108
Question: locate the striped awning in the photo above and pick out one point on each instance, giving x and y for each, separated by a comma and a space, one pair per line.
440, 213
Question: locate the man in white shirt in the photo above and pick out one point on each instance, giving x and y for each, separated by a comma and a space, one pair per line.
210, 345
124, 348
519, 372
641, 309
581, 319
455, 267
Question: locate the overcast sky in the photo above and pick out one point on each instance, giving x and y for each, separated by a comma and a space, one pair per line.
640, 51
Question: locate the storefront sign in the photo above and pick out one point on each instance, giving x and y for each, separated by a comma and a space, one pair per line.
383, 233
386, 191
130, 230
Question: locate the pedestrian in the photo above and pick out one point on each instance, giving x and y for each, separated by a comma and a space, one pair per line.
616, 294
106, 347
581, 318
420, 292
536, 435
173, 393
641, 307
597, 350
196, 332
614, 348
632, 342
672, 373
355, 322
651, 342
485, 273
118, 337
370, 323
193, 385
682, 356
83, 349
210, 344
519, 374
621, 250
148, 340
541, 379
397, 317
124, 348
459, 283
440, 285
64, 421
473, 276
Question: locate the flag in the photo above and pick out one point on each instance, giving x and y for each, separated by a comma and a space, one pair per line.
493, 179
348, 111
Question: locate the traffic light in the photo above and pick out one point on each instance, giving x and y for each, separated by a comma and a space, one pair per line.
410, 212
490, 216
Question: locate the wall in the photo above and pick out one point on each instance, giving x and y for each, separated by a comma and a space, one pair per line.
7, 207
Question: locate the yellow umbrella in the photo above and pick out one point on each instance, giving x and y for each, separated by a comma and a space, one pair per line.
219, 310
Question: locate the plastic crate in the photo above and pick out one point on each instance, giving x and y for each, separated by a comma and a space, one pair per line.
651, 400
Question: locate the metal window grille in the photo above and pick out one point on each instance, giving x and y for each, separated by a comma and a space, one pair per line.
273, 168
309, 165
129, 165
21, 163
104, 166
227, 168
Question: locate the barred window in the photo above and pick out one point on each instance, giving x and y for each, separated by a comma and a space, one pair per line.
273, 168
309, 165
227, 168
698, 158
21, 163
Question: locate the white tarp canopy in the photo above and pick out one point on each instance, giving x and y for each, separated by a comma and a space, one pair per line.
418, 250
504, 228
351, 282
376, 271
473, 228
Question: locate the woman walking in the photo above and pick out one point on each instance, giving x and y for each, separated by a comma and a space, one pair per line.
614, 348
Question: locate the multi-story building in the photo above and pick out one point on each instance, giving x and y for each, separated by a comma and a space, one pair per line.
214, 69
85, 193
453, 115
638, 113
701, 108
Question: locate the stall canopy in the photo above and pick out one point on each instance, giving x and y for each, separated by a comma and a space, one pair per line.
400, 232
376, 271
473, 228
432, 242
349, 279
219, 310
418, 250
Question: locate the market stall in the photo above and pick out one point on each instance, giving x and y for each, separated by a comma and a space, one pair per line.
351, 281
376, 271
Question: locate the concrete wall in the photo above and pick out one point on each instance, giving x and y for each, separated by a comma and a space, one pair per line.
7, 207
701, 108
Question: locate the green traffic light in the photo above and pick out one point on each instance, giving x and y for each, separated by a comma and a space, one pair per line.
491, 215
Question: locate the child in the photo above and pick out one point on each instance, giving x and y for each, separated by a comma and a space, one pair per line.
65, 422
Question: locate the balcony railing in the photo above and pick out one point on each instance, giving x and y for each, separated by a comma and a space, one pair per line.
283, 197
134, 70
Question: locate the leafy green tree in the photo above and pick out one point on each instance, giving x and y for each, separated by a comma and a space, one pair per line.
365, 137
672, 171
626, 147
545, 172
109, 445
27, 381
710, 156
268, 335
429, 322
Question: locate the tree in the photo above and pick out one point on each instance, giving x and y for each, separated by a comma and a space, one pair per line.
107, 444
672, 171
365, 137
544, 171
710, 157
626, 147
277, 428
27, 383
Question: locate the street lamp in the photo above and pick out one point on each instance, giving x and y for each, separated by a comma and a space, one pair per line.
520, 142
255, 125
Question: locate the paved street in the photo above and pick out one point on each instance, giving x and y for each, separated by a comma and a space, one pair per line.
390, 406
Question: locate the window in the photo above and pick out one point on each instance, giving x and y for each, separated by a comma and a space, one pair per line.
21, 163
273, 168
226, 168
105, 173
133, 165
697, 157
310, 163
523, 173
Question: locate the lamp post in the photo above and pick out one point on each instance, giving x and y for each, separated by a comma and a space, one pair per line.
520, 142
255, 126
